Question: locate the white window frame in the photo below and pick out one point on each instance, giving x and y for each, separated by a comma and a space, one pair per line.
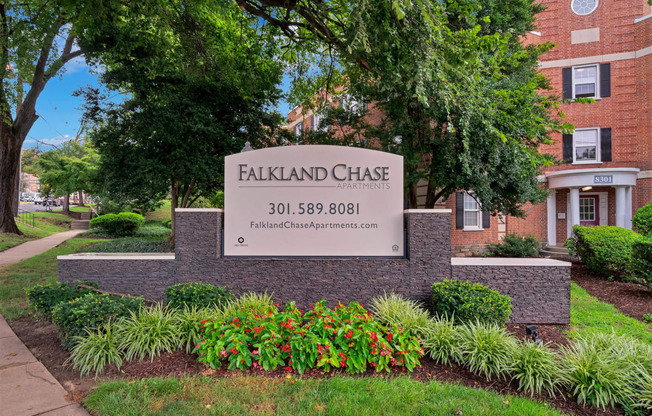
298, 126
597, 79
477, 227
597, 4
598, 153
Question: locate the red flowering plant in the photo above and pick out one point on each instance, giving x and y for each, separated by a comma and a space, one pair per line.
346, 337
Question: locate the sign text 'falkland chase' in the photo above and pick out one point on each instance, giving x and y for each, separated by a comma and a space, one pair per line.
313, 201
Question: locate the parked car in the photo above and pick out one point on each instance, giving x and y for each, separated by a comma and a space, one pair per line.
38, 200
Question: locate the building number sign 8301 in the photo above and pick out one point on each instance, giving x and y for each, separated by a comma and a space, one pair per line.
603, 179
311, 208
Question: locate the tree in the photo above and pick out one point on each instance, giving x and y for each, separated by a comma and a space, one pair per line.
200, 82
32, 53
461, 96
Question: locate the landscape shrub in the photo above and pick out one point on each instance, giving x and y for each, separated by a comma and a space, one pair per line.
130, 245
470, 302
149, 332
642, 220
485, 349
197, 294
122, 224
535, 367
640, 267
151, 230
394, 309
345, 337
515, 245
167, 222
604, 249
440, 340
189, 320
43, 298
89, 312
92, 352
249, 302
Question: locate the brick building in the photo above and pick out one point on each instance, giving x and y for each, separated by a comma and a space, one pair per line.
603, 51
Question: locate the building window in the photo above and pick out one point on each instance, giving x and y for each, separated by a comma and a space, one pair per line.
585, 81
472, 213
586, 145
584, 7
587, 209
350, 104
298, 129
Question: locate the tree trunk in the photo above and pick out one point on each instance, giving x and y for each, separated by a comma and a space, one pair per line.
10, 147
66, 203
81, 199
173, 206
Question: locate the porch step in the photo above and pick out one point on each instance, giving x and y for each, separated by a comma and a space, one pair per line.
80, 225
555, 251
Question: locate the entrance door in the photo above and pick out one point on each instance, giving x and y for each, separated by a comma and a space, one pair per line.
589, 210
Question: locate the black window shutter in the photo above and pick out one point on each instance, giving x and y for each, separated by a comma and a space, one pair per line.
568, 148
486, 219
605, 144
605, 80
567, 83
459, 210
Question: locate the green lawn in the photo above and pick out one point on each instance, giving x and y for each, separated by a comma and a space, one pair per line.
161, 213
45, 223
589, 315
339, 396
38, 269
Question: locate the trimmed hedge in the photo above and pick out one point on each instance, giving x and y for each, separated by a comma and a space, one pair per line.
604, 249
122, 224
89, 312
44, 298
641, 264
197, 294
466, 302
642, 220
515, 245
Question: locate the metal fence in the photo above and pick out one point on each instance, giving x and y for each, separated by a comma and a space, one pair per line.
26, 217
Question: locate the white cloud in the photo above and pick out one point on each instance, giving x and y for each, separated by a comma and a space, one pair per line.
47, 143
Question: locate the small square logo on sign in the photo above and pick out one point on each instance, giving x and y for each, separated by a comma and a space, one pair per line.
395, 248
603, 179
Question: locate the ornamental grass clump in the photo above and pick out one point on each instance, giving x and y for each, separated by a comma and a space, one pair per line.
440, 340
345, 337
535, 367
189, 320
149, 332
249, 302
394, 309
485, 349
97, 349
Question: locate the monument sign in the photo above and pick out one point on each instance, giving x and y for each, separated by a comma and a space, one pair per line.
314, 201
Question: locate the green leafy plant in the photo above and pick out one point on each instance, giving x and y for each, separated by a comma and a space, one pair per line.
249, 302
43, 298
346, 337
89, 312
131, 245
640, 266
167, 222
93, 351
197, 294
190, 320
535, 368
149, 332
440, 340
394, 309
122, 224
470, 302
605, 250
648, 318
486, 349
515, 245
642, 220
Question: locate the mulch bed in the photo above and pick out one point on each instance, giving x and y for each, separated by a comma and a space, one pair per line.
41, 339
630, 298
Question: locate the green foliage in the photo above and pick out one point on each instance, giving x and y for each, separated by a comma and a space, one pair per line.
131, 245
640, 266
249, 302
201, 295
440, 339
648, 318
167, 222
43, 298
190, 320
148, 332
515, 245
486, 349
122, 224
89, 312
642, 220
92, 352
344, 337
394, 309
535, 368
153, 230
469, 302
605, 250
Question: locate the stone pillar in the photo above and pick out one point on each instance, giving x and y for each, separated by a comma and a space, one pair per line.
552, 218
621, 206
574, 214
628, 207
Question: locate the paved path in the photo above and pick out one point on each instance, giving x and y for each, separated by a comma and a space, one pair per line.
34, 247
26, 387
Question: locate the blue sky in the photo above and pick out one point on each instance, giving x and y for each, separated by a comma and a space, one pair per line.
59, 112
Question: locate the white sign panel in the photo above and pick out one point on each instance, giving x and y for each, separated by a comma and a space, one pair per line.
313, 201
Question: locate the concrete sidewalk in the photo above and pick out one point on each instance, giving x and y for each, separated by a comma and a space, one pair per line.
32, 248
26, 387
